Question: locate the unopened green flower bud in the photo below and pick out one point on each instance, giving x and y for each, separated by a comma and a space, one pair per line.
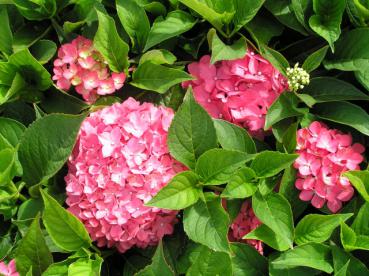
297, 78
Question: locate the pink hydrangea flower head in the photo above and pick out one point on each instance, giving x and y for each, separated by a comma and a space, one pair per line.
239, 91
244, 223
119, 163
324, 154
8, 269
80, 65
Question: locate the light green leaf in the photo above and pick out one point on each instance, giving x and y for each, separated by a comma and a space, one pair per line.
221, 51
216, 166
360, 180
158, 56
179, 193
361, 222
275, 212
269, 237
191, 133
233, 137
84, 267
159, 265
176, 23
317, 228
270, 163
207, 223
156, 77
344, 113
7, 159
327, 19
308, 255
247, 261
66, 231
108, 42
11, 131
351, 241
313, 61
134, 21
6, 36
43, 149
275, 58
327, 89
241, 184
32, 251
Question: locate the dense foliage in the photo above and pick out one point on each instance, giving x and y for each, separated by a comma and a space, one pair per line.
184, 137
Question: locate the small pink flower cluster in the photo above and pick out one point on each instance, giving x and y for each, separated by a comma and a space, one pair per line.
239, 91
121, 161
324, 154
80, 65
244, 223
8, 269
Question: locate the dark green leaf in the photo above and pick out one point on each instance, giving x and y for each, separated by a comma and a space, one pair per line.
6, 36
36, 10
340, 260
313, 61
43, 50
245, 11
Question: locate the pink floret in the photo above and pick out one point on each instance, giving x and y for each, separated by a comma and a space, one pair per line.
324, 154
119, 163
80, 65
8, 269
239, 91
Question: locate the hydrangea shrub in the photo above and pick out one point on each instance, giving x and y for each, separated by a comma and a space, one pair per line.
184, 137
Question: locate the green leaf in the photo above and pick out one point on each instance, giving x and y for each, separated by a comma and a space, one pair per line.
317, 228
32, 251
351, 241
284, 107
361, 223
179, 193
350, 53
233, 137
283, 11
247, 261
43, 50
216, 166
36, 10
159, 265
11, 131
208, 13
263, 27
269, 237
221, 51
207, 262
158, 56
6, 36
327, 19
85, 266
134, 21
308, 255
275, 58
302, 9
327, 89
158, 78
270, 163
43, 150
191, 133
360, 180
207, 223
7, 159
245, 11
176, 23
275, 212
66, 231
344, 113
241, 184
313, 61
340, 260
31, 70
108, 42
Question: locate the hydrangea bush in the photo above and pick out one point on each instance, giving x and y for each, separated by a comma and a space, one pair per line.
184, 137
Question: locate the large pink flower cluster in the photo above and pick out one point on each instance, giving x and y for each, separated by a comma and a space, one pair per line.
244, 223
239, 91
80, 65
324, 154
8, 269
121, 161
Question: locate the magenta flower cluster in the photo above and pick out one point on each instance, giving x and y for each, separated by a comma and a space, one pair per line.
8, 269
121, 161
244, 223
80, 65
324, 154
239, 91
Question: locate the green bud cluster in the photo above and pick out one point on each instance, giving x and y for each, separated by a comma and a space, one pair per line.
297, 78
